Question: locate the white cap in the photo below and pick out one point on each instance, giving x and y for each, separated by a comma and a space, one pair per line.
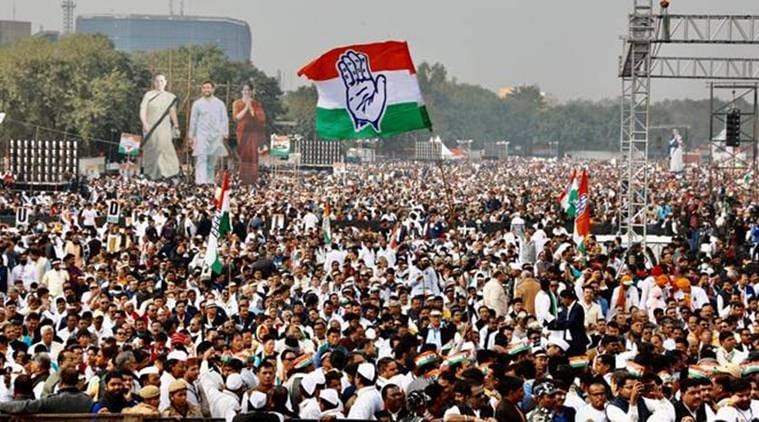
367, 371
234, 382
148, 370
178, 355
559, 342
318, 377
257, 400
309, 384
249, 378
330, 396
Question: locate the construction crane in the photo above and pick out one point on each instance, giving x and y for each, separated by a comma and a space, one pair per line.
68, 16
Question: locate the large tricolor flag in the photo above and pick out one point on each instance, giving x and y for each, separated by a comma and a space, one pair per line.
367, 91
221, 226
582, 218
568, 197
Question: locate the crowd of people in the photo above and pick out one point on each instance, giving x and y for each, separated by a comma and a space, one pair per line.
452, 293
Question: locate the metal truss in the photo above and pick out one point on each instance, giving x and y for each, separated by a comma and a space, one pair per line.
705, 68
708, 29
731, 165
639, 63
636, 88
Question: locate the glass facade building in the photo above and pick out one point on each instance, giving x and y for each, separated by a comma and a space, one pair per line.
148, 32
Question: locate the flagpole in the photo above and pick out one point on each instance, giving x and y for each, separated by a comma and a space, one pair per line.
438, 149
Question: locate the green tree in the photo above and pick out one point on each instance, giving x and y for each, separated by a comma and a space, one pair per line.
79, 85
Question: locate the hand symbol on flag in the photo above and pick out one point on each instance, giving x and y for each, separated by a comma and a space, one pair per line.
366, 94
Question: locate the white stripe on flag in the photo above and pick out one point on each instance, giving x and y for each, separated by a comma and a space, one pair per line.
402, 87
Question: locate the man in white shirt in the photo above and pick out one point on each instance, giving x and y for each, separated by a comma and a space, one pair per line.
740, 410
596, 409
494, 294
55, 279
591, 308
209, 127
51, 347
224, 404
368, 400
726, 352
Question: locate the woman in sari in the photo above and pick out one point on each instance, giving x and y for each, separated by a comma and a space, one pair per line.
159, 157
251, 132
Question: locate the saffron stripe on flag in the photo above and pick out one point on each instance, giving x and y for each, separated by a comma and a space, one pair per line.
388, 55
398, 118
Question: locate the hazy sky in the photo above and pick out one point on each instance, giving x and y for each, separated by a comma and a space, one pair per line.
569, 48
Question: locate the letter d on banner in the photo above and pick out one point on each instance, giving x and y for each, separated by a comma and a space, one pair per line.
22, 216
114, 212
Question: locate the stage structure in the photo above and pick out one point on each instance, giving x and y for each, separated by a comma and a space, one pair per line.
318, 153
426, 151
733, 155
44, 165
640, 62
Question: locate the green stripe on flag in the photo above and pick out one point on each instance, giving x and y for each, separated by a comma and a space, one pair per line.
398, 118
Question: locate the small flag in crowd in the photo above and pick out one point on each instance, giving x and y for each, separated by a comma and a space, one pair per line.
367, 91
219, 228
129, 144
582, 219
568, 197
326, 228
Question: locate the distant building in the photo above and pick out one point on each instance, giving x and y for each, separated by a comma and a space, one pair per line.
51, 36
150, 32
12, 31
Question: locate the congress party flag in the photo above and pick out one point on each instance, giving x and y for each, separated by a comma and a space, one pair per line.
367, 91
219, 228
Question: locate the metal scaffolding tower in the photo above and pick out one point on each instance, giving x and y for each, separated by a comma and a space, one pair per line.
636, 89
68, 15
647, 32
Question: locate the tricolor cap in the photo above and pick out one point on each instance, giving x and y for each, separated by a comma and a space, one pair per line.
517, 348
330, 396
634, 369
257, 400
426, 358
666, 377
367, 371
749, 368
579, 361
457, 359
697, 372
303, 361
626, 280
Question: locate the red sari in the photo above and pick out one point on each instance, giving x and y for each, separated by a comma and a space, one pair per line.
251, 132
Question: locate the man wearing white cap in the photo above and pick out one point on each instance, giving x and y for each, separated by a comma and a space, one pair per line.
369, 400
330, 404
310, 386
223, 403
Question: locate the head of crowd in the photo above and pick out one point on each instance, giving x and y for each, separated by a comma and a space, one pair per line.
396, 291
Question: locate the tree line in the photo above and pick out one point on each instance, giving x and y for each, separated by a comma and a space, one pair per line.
82, 86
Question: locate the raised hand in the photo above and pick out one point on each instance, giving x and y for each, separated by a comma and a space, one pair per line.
366, 94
